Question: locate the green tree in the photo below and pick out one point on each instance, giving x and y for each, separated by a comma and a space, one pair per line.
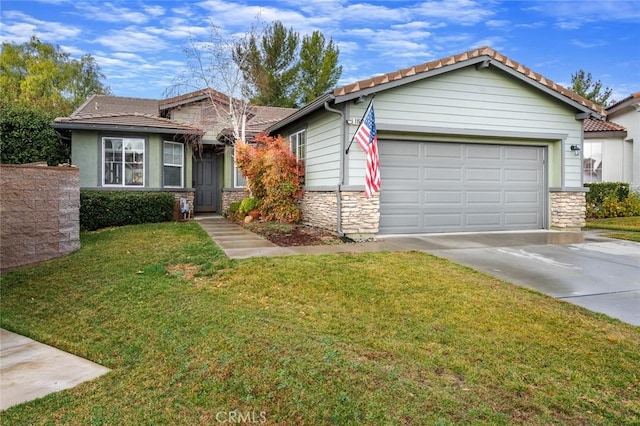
319, 69
271, 66
283, 73
26, 136
582, 83
42, 76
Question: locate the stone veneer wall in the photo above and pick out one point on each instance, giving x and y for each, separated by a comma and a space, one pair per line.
360, 216
39, 213
230, 196
320, 209
568, 210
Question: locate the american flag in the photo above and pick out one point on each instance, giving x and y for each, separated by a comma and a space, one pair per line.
368, 141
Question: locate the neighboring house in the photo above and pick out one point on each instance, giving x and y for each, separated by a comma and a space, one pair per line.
612, 147
180, 144
472, 142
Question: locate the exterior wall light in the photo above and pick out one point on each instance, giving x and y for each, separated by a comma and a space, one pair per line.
575, 149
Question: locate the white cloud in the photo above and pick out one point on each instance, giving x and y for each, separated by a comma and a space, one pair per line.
18, 27
132, 39
463, 12
108, 12
587, 45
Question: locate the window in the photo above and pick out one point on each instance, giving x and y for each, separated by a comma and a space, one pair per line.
123, 163
173, 164
592, 162
298, 143
239, 181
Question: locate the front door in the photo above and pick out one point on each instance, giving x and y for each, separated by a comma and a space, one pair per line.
205, 182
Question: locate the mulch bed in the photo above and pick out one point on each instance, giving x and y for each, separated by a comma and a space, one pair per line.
295, 235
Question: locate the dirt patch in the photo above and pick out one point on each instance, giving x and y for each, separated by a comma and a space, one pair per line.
183, 270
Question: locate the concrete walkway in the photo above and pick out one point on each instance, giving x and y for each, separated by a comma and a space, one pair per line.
238, 243
31, 370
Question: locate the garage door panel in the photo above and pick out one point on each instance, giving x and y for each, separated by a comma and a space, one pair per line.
451, 174
401, 197
519, 175
461, 187
442, 151
483, 152
522, 197
483, 175
450, 198
483, 197
403, 174
434, 221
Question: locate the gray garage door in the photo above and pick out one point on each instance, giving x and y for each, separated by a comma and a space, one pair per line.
454, 187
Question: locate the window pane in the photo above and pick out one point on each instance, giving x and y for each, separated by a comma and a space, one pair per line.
172, 176
592, 162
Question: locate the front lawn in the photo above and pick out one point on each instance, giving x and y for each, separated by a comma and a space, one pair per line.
627, 228
374, 338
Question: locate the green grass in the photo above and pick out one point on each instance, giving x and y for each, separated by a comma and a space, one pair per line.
375, 338
628, 227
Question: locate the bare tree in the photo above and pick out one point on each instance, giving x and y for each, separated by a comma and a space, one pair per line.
211, 64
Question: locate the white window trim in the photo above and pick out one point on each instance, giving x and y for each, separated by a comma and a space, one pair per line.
144, 161
173, 165
295, 138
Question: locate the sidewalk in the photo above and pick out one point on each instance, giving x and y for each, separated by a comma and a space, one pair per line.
31, 370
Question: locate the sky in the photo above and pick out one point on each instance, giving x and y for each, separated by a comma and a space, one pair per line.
141, 45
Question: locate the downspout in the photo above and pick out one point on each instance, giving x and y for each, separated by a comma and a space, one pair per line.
341, 172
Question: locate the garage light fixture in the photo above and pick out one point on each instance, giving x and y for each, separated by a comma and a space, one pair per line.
575, 149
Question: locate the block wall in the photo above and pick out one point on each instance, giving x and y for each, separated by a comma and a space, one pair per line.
39, 213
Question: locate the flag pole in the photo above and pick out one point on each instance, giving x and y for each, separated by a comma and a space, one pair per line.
361, 120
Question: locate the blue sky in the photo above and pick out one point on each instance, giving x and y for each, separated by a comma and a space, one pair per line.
139, 45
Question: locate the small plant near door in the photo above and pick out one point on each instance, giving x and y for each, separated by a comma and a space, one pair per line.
274, 177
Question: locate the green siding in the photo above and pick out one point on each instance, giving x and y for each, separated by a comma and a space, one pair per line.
322, 161
486, 100
86, 153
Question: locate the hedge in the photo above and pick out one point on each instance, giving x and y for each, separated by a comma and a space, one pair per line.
611, 199
101, 209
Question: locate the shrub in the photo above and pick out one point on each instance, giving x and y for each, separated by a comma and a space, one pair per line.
233, 212
248, 204
27, 136
611, 199
101, 209
274, 176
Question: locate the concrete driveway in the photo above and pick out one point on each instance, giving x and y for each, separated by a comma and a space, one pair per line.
598, 273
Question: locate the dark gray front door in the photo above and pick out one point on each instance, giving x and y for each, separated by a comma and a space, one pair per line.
205, 182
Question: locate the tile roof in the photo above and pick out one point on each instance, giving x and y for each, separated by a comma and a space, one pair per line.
265, 116
194, 96
462, 57
105, 104
125, 120
592, 125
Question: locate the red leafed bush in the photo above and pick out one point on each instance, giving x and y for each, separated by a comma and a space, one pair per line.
274, 176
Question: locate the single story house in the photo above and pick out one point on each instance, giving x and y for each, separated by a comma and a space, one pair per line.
612, 147
471, 142
180, 144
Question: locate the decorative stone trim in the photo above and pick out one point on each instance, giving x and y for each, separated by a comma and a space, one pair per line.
231, 195
360, 216
40, 208
568, 210
319, 209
